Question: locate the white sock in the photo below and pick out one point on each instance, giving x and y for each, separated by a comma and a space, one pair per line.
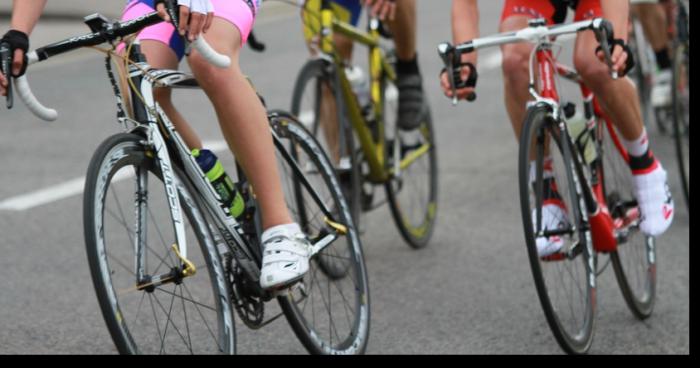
637, 147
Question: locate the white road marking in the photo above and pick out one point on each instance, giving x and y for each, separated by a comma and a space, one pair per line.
72, 187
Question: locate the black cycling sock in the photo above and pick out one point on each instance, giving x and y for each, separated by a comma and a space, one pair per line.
408, 66
642, 164
662, 59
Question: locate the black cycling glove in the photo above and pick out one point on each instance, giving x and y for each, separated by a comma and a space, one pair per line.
16, 40
630, 55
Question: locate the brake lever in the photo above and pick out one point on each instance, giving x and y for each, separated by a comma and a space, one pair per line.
6, 69
453, 64
445, 50
604, 34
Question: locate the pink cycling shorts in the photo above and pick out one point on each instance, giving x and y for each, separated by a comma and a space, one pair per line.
240, 13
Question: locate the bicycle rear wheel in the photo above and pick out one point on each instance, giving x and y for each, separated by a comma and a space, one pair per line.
126, 213
565, 281
681, 112
328, 311
634, 261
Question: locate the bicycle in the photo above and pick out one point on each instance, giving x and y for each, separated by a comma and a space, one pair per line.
156, 294
404, 162
594, 182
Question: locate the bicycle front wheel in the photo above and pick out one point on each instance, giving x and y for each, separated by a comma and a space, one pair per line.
128, 236
328, 311
565, 280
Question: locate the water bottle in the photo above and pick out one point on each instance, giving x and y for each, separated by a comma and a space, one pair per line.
360, 85
582, 135
211, 166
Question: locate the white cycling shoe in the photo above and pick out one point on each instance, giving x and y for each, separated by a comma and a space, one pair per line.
655, 201
554, 216
286, 253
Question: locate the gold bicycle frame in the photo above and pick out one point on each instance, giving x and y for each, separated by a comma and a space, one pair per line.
374, 149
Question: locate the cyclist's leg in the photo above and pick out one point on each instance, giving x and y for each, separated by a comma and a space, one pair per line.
244, 123
164, 50
515, 67
161, 56
412, 104
344, 46
652, 15
620, 100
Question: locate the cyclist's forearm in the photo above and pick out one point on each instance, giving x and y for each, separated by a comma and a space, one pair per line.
618, 13
465, 24
25, 14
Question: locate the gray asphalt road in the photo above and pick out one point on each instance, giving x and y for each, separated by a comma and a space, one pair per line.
469, 292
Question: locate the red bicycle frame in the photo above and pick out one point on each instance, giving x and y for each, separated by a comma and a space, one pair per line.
603, 227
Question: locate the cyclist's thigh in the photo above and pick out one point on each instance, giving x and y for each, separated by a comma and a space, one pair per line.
515, 16
585, 59
239, 13
233, 22
161, 32
515, 55
348, 10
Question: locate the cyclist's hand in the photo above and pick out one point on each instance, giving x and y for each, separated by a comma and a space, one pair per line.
621, 57
382, 9
19, 44
462, 93
3, 85
196, 17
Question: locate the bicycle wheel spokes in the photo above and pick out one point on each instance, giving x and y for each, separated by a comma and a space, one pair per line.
634, 261
329, 308
551, 210
180, 315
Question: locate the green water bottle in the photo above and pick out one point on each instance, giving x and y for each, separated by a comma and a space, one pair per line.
222, 183
578, 129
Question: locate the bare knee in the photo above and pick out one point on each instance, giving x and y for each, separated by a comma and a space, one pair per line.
516, 64
210, 76
593, 72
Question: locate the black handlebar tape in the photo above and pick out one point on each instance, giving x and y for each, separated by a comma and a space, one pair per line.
6, 69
